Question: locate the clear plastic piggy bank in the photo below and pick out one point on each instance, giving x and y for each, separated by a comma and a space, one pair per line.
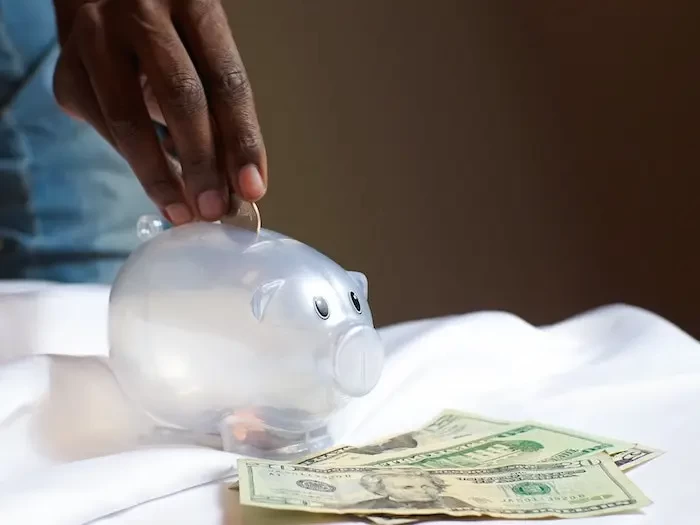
254, 337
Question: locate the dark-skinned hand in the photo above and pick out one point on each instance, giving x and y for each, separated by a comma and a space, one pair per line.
126, 64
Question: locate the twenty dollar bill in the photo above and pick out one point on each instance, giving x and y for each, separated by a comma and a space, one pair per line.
585, 487
447, 426
528, 442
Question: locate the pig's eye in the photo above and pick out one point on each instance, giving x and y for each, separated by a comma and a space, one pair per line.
355, 302
321, 307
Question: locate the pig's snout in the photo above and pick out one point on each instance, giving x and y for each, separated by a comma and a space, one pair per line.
358, 361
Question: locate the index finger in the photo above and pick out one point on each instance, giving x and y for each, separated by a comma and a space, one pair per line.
218, 62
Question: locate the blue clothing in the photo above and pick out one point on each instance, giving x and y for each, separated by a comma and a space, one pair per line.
69, 203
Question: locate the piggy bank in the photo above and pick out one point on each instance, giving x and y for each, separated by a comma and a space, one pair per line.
255, 337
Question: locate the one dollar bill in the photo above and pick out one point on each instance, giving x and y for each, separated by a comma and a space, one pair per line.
585, 487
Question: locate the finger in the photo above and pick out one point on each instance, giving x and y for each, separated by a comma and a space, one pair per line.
73, 91
116, 85
208, 36
183, 102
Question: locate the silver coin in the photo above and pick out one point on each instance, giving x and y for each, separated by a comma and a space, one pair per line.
243, 215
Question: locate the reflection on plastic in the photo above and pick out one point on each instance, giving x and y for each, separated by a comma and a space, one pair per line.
256, 337
148, 226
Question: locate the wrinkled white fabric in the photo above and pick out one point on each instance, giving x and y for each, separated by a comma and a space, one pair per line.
72, 448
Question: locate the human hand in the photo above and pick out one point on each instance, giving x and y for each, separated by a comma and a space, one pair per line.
127, 63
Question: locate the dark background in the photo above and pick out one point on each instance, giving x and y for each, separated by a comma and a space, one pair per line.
538, 157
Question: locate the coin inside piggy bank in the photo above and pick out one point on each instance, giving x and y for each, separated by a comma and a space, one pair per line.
253, 336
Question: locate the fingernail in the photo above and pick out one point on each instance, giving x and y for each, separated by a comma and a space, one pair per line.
211, 204
178, 213
251, 182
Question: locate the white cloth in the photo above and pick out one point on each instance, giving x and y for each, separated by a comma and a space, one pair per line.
68, 439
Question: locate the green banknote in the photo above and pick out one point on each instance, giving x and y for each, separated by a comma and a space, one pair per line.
449, 425
454, 424
635, 456
528, 442
625, 460
592, 486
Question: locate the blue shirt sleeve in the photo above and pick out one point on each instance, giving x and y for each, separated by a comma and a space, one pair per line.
69, 202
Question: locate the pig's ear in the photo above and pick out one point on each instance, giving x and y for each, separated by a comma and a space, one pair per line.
262, 297
361, 280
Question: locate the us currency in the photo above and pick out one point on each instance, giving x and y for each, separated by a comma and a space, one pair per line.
592, 486
243, 214
625, 460
527, 442
447, 426
454, 424
451, 425
635, 456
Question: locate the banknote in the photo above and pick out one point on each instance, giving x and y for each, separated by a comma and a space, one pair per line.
625, 460
635, 456
591, 486
454, 424
448, 425
527, 442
